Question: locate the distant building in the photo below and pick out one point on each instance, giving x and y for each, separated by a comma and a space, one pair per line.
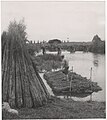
54, 41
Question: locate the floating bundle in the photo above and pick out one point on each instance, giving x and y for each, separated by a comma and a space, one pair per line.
61, 86
21, 84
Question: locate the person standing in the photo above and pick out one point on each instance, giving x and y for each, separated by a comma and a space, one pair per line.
59, 51
43, 50
65, 67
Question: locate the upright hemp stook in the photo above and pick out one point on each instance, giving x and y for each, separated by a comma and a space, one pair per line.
21, 84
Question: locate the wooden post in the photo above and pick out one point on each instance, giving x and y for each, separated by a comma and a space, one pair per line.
91, 80
72, 68
71, 81
91, 74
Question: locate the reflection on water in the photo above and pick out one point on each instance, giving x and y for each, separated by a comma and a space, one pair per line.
82, 62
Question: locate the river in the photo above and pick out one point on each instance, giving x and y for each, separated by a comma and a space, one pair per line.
82, 63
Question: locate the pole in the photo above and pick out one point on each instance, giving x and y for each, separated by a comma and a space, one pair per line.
71, 80
72, 68
91, 80
91, 74
70, 83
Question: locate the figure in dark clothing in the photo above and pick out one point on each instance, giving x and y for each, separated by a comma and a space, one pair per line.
43, 50
59, 51
66, 70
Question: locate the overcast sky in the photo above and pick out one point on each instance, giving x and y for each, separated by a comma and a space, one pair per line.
78, 21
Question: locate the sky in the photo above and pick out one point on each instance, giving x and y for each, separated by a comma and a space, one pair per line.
73, 21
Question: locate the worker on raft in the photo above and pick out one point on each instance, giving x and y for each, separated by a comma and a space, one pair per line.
65, 67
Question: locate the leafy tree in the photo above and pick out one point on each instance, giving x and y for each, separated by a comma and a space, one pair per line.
98, 46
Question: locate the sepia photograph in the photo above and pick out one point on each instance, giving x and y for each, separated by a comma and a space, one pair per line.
53, 60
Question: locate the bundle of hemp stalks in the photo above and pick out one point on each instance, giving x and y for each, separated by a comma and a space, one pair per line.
21, 85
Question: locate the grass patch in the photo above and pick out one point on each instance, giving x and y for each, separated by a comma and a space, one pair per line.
58, 108
47, 62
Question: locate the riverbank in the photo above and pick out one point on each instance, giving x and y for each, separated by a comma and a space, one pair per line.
57, 108
80, 86
47, 62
